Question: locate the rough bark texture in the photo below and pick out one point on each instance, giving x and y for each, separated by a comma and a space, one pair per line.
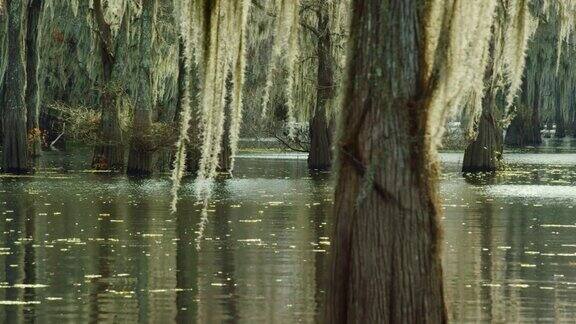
485, 152
141, 158
386, 266
15, 146
109, 155
32, 88
320, 156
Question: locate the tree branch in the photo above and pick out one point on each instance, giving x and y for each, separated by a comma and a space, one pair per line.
290, 147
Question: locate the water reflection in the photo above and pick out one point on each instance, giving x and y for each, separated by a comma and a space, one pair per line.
82, 247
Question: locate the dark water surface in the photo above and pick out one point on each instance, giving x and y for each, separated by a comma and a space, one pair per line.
82, 247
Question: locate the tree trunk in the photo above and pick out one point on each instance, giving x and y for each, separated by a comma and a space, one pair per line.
225, 156
485, 152
15, 146
32, 88
386, 264
535, 137
573, 124
320, 156
524, 130
141, 157
169, 116
194, 154
559, 118
109, 154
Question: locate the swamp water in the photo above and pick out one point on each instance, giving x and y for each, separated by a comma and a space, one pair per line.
83, 247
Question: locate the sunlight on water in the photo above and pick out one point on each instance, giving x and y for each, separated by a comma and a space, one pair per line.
542, 192
80, 247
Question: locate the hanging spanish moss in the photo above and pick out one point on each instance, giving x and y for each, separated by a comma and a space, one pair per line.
217, 58
489, 37
521, 26
339, 25
238, 82
463, 54
566, 10
284, 50
186, 113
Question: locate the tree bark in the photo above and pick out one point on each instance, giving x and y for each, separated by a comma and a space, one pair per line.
141, 158
15, 145
32, 88
386, 264
320, 156
485, 152
109, 155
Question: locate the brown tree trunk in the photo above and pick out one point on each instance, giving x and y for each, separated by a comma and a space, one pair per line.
386, 264
485, 152
320, 156
141, 158
109, 154
15, 145
32, 88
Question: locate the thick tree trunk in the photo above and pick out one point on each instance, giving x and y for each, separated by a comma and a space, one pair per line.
141, 158
109, 154
32, 88
15, 146
386, 265
485, 152
320, 156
